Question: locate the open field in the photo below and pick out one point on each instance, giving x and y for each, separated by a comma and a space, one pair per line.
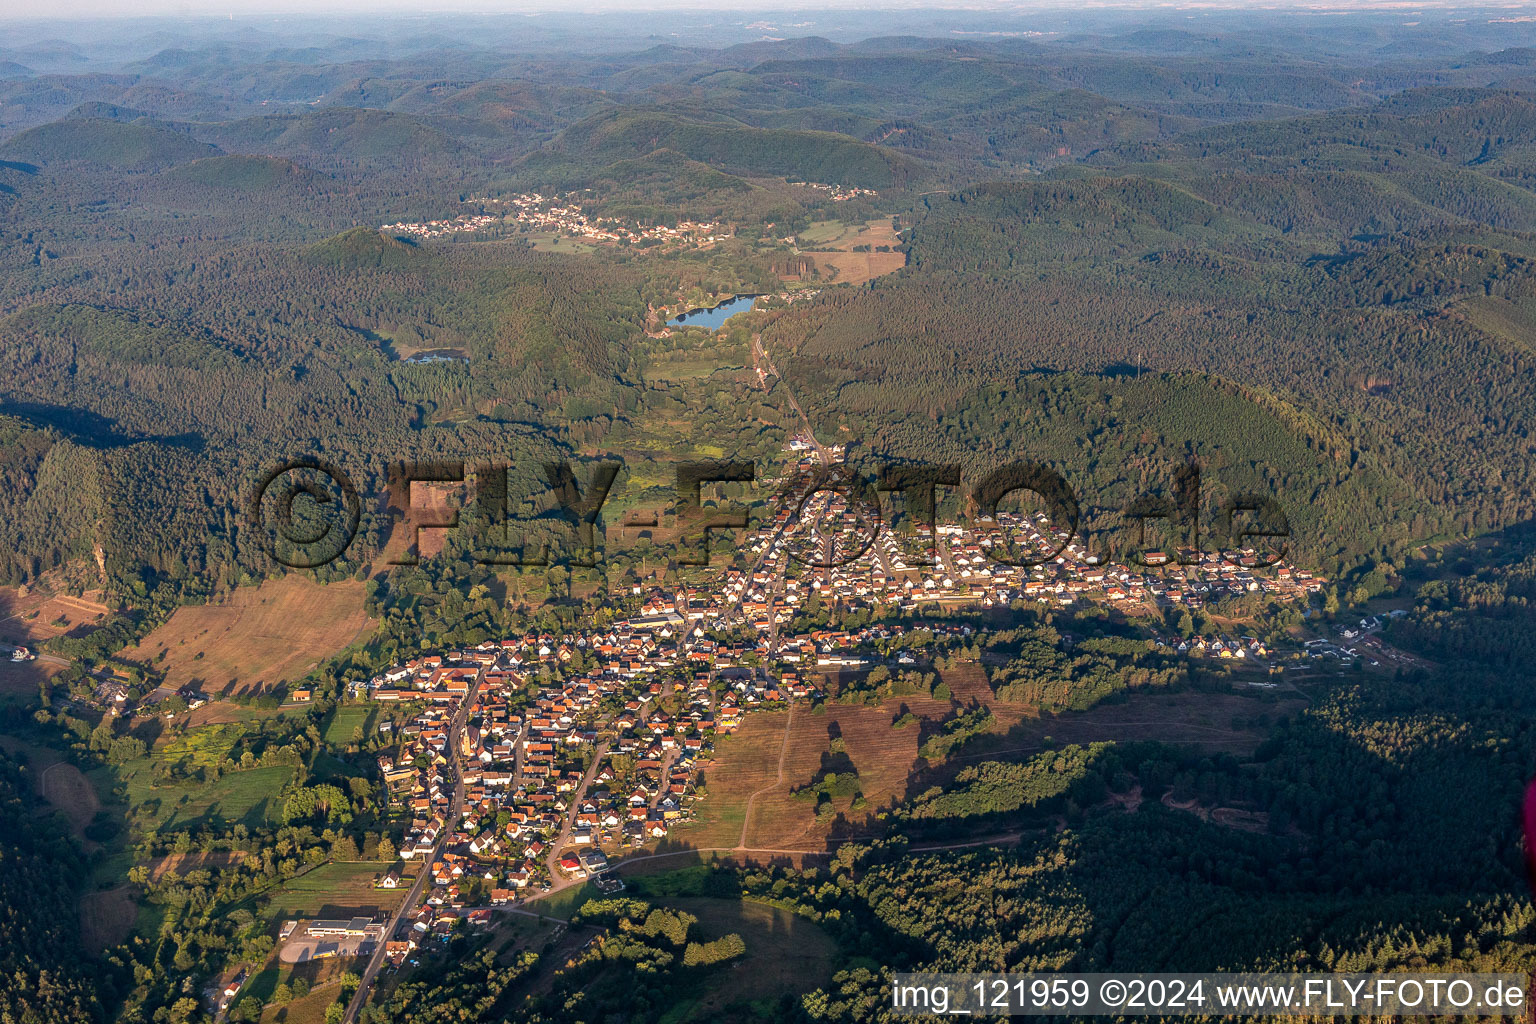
223, 712
545, 241
256, 637
57, 781
785, 953
564, 902
248, 797
106, 917
310, 1009
35, 616
346, 720
317, 973
1209, 721
745, 762
885, 758
21, 681
333, 891
66, 788
844, 266
198, 748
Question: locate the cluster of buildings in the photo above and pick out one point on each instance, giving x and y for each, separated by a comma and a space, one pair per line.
563, 215
798, 555
442, 228
1219, 646
526, 758
322, 939
840, 193
526, 762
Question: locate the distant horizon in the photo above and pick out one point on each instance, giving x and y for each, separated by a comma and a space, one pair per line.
181, 10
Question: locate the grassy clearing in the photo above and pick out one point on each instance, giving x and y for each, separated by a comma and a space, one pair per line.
248, 797
566, 902
688, 369
106, 918
199, 748
256, 637
785, 953
345, 721
333, 890
826, 232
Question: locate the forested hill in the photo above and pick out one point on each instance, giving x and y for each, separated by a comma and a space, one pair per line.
772, 152
1345, 276
142, 422
1320, 238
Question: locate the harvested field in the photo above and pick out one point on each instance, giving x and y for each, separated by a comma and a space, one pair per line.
844, 266
858, 267
745, 762
106, 918
35, 616
748, 763
255, 638
746, 773
183, 863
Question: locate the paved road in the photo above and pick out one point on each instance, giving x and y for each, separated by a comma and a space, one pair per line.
758, 348
557, 879
413, 898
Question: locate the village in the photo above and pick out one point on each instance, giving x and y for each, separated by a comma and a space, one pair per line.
562, 216
528, 764
962, 565
839, 193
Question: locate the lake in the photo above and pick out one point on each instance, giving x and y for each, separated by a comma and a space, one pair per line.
711, 319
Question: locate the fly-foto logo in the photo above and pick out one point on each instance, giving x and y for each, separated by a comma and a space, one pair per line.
307, 512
